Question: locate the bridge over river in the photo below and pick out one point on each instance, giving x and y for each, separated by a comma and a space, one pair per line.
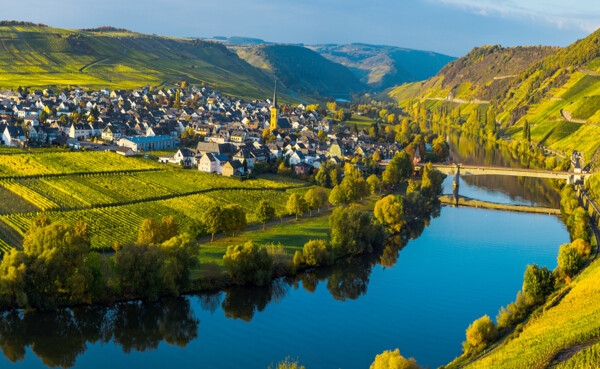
477, 170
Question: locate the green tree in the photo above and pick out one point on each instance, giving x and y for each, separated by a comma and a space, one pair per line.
393, 360
265, 212
317, 253
181, 254
214, 219
337, 196
583, 248
398, 169
139, 270
431, 184
149, 232
353, 231
288, 364
248, 264
235, 219
389, 212
296, 205
569, 260
315, 198
538, 282
374, 183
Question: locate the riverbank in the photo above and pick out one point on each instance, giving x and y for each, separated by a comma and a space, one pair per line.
466, 201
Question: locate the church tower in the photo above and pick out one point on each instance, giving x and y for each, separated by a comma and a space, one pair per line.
274, 112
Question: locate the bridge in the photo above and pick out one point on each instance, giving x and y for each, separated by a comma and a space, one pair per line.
478, 170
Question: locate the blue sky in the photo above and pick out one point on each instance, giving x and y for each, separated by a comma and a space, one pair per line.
448, 26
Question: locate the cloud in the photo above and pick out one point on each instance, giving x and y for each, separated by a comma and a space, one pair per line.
574, 14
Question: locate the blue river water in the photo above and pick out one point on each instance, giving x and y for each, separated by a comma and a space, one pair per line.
467, 263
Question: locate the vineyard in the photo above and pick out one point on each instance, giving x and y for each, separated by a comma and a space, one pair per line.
113, 194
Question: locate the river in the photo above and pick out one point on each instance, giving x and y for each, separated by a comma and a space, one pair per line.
465, 263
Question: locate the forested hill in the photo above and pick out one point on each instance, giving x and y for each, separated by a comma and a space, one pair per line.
301, 69
556, 91
381, 66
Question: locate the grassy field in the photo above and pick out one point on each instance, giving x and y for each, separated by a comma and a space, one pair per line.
291, 234
361, 121
114, 194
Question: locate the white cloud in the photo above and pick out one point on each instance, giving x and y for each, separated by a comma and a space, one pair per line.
581, 14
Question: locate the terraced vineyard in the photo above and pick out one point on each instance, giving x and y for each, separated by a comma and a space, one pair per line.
114, 194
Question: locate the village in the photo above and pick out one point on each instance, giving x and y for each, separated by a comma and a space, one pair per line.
213, 133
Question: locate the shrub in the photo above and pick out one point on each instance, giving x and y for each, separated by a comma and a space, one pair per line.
248, 264
317, 253
479, 334
393, 360
569, 260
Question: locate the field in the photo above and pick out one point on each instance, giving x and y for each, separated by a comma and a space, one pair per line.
114, 194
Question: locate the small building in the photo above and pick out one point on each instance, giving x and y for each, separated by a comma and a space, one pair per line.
302, 168
148, 143
125, 151
233, 168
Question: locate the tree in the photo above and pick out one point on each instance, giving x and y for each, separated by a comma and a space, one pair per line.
431, 185
139, 270
374, 183
526, 131
265, 212
248, 264
389, 212
376, 156
337, 196
266, 135
322, 136
181, 254
289, 364
317, 253
234, 219
479, 334
583, 248
214, 218
399, 169
569, 260
296, 205
538, 282
393, 360
353, 231
315, 198
149, 232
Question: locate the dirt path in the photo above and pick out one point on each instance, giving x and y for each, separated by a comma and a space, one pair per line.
568, 352
569, 117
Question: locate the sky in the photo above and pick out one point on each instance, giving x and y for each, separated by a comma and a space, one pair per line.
451, 27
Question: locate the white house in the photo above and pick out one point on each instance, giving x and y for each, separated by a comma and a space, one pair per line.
13, 135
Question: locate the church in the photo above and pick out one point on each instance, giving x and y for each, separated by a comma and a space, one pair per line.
277, 123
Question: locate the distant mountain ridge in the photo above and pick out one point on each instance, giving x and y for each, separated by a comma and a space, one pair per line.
301, 69
382, 66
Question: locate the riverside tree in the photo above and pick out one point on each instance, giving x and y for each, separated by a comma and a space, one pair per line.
389, 212
538, 282
214, 218
248, 264
234, 219
315, 198
479, 334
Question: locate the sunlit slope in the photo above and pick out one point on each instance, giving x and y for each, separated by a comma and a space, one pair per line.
575, 319
43, 56
556, 90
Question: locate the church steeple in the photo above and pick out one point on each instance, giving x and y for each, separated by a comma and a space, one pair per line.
274, 110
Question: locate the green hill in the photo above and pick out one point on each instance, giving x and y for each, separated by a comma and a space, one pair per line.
381, 67
38, 56
301, 69
556, 90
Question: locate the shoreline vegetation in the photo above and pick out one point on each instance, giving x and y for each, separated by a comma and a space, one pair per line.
57, 268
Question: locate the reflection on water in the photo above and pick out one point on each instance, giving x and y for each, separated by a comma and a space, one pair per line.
466, 149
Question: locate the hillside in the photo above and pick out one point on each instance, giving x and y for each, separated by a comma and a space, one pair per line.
38, 56
557, 91
301, 69
381, 67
